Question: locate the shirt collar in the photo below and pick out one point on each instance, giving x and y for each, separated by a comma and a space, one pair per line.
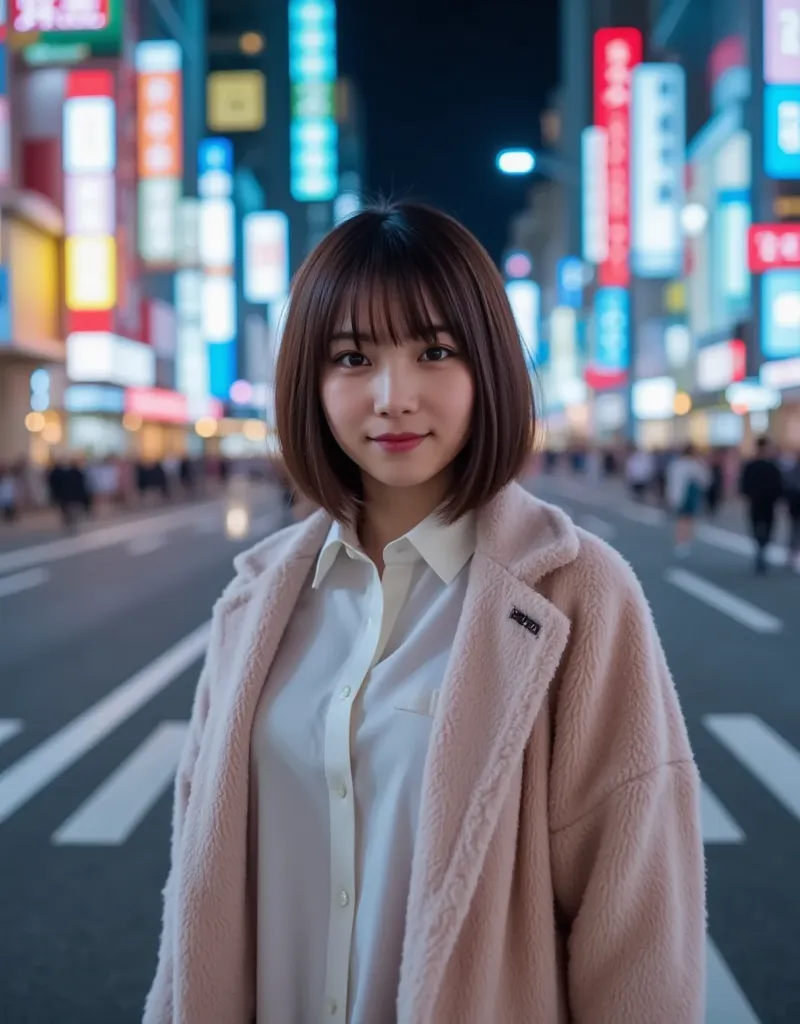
446, 548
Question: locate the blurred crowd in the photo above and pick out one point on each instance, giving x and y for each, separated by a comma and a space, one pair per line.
80, 486
688, 483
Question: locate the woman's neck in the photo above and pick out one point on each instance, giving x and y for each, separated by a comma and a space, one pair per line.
390, 512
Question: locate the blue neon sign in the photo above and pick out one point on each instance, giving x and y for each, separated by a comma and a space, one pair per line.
313, 135
780, 313
569, 277
611, 330
782, 131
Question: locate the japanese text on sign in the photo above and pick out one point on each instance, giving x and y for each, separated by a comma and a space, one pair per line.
60, 15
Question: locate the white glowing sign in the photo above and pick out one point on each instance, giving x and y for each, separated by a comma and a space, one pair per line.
523, 297
659, 145
266, 256
89, 135
60, 15
95, 356
594, 176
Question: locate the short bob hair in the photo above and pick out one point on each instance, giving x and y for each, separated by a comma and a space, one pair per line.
403, 260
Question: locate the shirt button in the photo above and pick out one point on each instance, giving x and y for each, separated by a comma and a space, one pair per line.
341, 790
345, 693
332, 1007
344, 897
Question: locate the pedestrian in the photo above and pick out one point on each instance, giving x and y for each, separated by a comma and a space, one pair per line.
639, 472
791, 486
761, 486
687, 483
716, 485
436, 769
9, 494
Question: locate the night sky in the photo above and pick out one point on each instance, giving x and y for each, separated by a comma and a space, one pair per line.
446, 84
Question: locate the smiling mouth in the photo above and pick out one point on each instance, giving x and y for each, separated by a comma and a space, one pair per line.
399, 442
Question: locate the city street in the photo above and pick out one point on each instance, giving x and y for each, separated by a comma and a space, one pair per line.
101, 635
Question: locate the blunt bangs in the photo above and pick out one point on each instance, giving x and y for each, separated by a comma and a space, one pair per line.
393, 273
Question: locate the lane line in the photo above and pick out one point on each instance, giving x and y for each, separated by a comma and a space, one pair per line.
766, 754
725, 1001
644, 514
736, 608
718, 825
32, 773
95, 540
118, 807
145, 545
9, 728
738, 544
600, 527
23, 581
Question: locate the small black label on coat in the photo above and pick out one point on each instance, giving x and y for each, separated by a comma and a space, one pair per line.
530, 624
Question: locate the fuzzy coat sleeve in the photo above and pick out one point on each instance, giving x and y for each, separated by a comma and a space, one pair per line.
159, 1008
626, 840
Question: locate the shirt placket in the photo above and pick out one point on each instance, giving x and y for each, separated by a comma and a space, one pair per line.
339, 778
386, 597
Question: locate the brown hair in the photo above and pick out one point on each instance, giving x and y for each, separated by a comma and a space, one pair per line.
403, 256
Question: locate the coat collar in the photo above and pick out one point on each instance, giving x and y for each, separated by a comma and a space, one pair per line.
507, 649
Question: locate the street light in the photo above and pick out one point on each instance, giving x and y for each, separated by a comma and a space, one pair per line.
516, 161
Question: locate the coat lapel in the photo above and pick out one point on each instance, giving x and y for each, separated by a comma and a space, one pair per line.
509, 643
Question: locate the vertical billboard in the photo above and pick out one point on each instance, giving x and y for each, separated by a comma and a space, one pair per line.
5, 110
782, 42
523, 297
89, 161
657, 169
594, 181
780, 314
314, 138
608, 364
217, 255
160, 149
266, 256
569, 282
617, 51
782, 131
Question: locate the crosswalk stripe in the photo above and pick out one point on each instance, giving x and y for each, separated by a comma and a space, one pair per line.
146, 544
734, 607
725, 1001
29, 776
21, 581
112, 813
9, 728
773, 761
718, 825
727, 540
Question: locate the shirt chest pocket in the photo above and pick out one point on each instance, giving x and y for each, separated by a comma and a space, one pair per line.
423, 704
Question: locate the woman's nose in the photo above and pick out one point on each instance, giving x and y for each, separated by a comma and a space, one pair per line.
395, 391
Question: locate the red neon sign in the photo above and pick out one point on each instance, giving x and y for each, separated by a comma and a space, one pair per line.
773, 247
616, 52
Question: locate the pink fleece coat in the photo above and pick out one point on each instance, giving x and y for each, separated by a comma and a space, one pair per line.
558, 871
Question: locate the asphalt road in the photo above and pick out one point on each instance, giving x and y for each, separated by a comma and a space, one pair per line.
100, 641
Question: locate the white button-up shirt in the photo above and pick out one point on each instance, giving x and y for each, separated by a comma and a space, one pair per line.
338, 750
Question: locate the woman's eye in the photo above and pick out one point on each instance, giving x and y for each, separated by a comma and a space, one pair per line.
437, 353
351, 360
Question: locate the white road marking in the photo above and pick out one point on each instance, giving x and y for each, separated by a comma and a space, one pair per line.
9, 728
718, 825
29, 776
598, 526
736, 608
645, 514
146, 544
115, 810
725, 1001
738, 543
95, 540
23, 581
773, 761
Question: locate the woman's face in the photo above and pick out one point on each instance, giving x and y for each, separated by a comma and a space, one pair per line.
401, 412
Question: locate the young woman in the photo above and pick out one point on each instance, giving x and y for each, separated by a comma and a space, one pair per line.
436, 771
